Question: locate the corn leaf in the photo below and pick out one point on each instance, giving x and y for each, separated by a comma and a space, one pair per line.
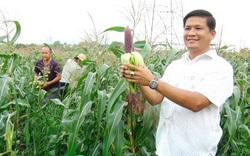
236, 94
113, 120
120, 87
102, 99
232, 120
87, 90
76, 127
146, 128
102, 70
115, 28
146, 50
58, 102
4, 83
96, 152
18, 32
118, 143
140, 44
2, 38
118, 53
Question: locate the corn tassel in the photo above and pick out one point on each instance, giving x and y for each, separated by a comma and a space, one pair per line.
128, 40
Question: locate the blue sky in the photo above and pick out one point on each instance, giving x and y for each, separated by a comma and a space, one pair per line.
70, 20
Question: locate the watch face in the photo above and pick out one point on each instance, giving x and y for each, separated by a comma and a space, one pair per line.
153, 84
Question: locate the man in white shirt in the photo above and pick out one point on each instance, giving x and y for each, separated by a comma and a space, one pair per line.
191, 92
70, 72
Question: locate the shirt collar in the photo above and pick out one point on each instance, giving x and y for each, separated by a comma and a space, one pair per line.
211, 53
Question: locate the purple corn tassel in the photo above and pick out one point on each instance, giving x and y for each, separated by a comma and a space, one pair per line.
128, 40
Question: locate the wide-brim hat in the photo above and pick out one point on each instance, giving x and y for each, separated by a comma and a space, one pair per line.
81, 57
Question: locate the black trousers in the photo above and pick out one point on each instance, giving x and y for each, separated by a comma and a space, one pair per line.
51, 94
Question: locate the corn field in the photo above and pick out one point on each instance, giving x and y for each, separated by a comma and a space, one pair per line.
95, 118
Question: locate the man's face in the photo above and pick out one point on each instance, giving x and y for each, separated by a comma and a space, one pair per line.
197, 36
46, 54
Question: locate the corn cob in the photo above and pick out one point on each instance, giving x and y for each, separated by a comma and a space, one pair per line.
125, 58
134, 57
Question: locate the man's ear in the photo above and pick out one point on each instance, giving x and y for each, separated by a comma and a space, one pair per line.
213, 33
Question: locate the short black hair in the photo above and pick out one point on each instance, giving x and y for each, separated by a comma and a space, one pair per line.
50, 49
211, 22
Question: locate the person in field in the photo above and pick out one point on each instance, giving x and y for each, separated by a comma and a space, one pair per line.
70, 73
50, 72
191, 92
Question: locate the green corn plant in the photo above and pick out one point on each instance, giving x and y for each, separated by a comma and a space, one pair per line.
7, 130
235, 115
139, 122
94, 125
12, 34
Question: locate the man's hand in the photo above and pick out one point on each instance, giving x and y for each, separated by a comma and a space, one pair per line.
142, 76
47, 84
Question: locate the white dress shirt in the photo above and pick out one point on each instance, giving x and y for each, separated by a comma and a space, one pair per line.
182, 132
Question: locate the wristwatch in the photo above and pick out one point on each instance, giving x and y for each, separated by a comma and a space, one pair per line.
154, 83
